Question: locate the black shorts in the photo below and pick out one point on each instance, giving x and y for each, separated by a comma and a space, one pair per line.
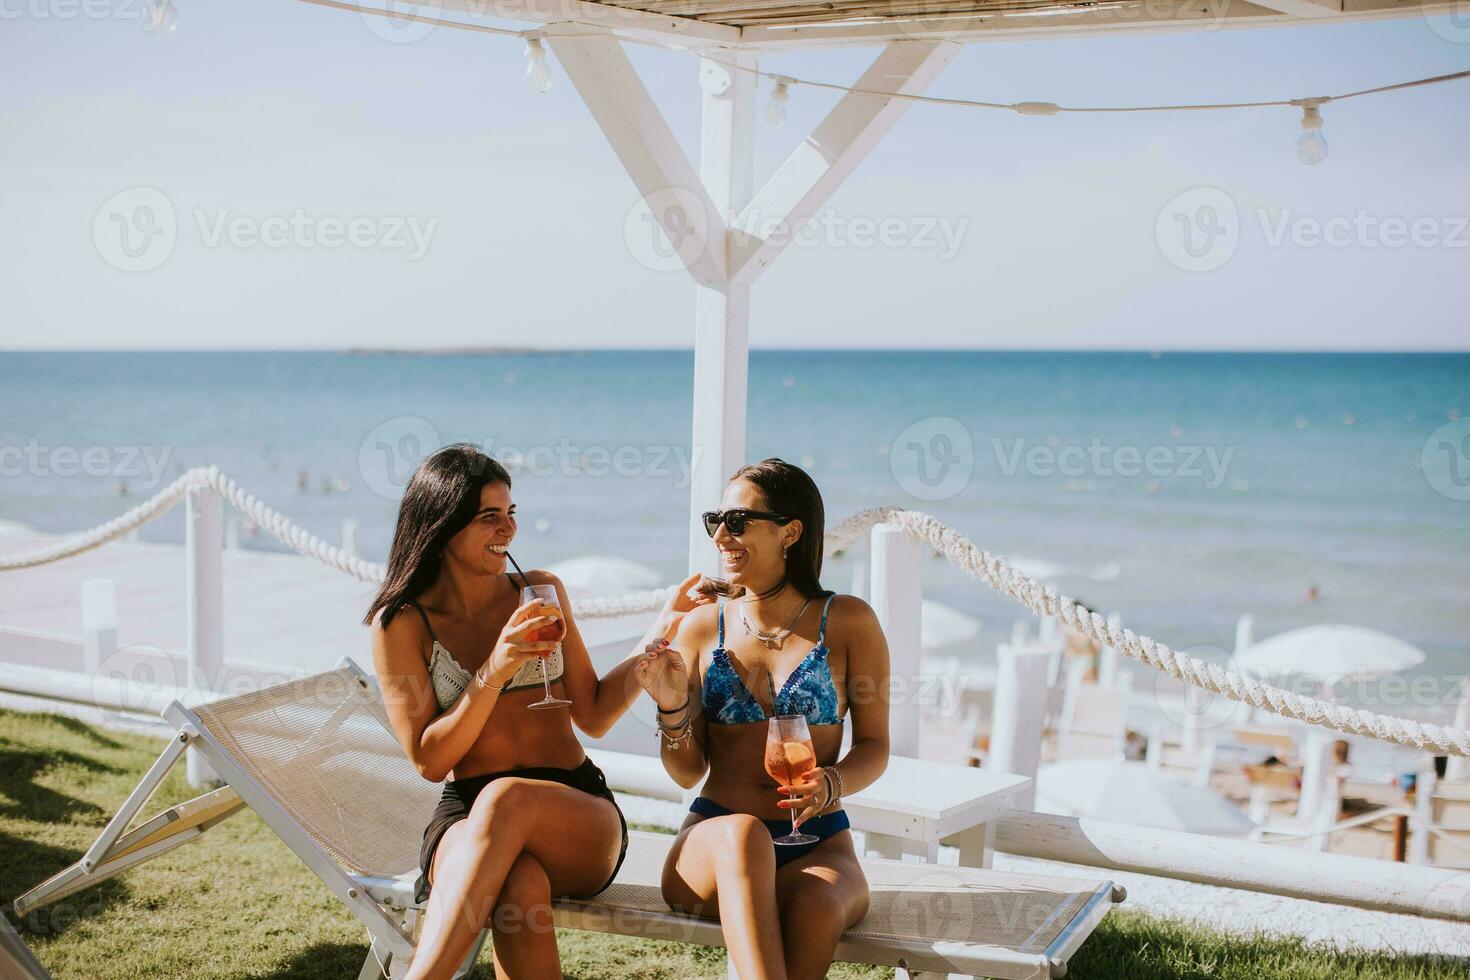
459, 795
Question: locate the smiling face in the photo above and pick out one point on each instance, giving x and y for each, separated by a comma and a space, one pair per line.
481, 544
753, 559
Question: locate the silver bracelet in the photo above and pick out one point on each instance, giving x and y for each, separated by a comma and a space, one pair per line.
481, 683
674, 741
833, 775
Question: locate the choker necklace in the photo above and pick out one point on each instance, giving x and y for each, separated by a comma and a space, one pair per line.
773, 638
770, 593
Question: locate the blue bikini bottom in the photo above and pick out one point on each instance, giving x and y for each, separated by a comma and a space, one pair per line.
820, 827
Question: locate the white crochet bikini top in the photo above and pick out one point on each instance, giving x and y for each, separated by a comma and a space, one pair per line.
450, 679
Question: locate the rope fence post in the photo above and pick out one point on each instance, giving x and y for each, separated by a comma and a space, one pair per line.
898, 598
204, 548
99, 623
1018, 720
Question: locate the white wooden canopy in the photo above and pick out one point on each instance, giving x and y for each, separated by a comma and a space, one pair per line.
776, 24
711, 211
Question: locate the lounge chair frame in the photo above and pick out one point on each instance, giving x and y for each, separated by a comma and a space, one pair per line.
386, 907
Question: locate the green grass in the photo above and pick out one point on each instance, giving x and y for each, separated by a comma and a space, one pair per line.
238, 904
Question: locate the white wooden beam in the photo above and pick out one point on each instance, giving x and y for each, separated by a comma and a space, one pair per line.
605, 78
622, 20
1140, 17
1305, 8
823, 161
721, 315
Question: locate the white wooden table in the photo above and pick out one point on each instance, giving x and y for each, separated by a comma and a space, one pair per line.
917, 804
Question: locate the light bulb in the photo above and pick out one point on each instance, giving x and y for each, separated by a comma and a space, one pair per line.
1311, 145
162, 18
776, 108
538, 76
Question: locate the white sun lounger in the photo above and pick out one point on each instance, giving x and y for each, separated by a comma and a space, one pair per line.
316, 760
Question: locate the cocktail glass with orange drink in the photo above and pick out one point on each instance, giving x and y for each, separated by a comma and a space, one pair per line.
553, 632
789, 758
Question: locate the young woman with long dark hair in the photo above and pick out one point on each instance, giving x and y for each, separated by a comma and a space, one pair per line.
785, 647
524, 815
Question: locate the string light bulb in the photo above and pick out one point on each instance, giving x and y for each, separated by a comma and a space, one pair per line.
1311, 145
776, 108
538, 75
162, 19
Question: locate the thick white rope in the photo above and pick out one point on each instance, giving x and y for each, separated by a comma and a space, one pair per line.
284, 530
993, 570
156, 506
961, 552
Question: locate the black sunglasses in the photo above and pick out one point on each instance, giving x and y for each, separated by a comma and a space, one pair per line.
734, 519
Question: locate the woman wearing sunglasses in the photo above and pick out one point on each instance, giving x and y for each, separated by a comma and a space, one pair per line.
525, 815
781, 646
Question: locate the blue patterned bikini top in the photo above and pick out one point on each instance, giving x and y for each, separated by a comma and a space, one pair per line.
808, 690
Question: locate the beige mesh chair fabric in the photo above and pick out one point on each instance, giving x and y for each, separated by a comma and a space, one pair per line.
316, 760
321, 748
912, 905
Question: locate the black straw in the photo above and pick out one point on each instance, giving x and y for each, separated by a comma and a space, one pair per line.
525, 582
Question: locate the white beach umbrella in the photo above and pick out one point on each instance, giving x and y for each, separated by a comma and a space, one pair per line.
605, 573
1328, 651
1131, 792
941, 626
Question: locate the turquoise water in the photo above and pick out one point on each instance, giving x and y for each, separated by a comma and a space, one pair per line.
1272, 472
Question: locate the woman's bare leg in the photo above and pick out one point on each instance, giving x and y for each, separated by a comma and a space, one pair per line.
510, 816
820, 895
521, 925
727, 864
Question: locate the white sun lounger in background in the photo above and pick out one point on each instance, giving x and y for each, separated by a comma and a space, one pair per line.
316, 760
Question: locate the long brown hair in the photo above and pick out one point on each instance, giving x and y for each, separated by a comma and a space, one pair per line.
790, 492
441, 499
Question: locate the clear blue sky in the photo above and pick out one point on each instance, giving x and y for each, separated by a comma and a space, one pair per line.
268, 107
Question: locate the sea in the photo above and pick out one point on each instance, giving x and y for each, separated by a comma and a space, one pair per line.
1178, 490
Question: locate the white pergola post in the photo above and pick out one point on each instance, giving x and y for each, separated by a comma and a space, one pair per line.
721, 310
712, 216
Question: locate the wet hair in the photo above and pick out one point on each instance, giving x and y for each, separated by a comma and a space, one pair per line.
441, 499
790, 492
